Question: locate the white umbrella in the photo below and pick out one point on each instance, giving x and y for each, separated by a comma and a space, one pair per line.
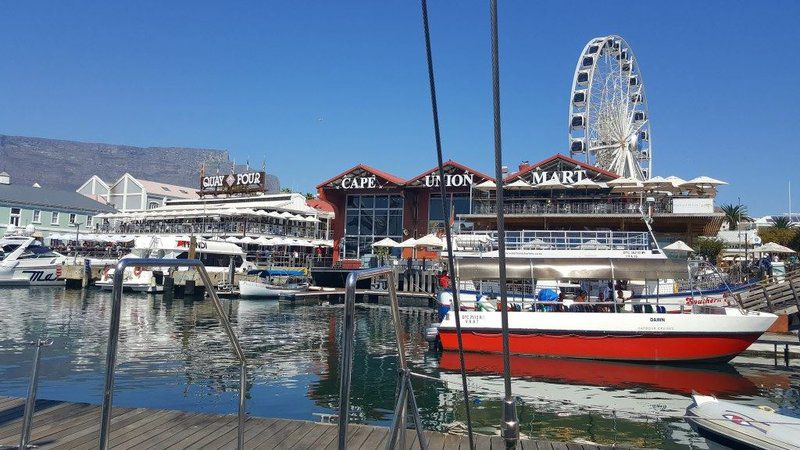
262, 240
232, 239
286, 215
706, 181
679, 246
675, 181
386, 242
518, 185
771, 247
246, 240
408, 243
586, 183
622, 181
429, 240
487, 185
552, 183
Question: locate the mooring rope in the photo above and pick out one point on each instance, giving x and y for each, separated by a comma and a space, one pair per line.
446, 217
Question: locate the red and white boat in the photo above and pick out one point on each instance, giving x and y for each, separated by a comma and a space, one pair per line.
619, 336
706, 334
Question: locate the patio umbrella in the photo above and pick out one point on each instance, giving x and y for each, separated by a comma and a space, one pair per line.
262, 240
552, 183
518, 185
386, 242
487, 185
408, 243
232, 239
771, 247
586, 183
708, 181
246, 240
679, 246
429, 240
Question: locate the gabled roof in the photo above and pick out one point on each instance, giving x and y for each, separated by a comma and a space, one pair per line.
168, 190
51, 199
449, 162
564, 158
379, 173
320, 204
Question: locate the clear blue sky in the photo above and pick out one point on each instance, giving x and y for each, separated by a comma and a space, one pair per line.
315, 87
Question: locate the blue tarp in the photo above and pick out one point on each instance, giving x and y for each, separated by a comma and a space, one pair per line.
547, 295
277, 273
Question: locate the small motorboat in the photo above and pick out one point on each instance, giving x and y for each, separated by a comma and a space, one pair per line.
274, 284
25, 261
740, 426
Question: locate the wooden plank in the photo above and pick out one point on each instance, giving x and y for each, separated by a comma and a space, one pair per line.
376, 439
289, 440
435, 440
559, 446
122, 434
331, 434
47, 417
117, 428
482, 441
194, 429
544, 445
497, 443
311, 436
228, 423
266, 433
57, 430
275, 438
143, 435
90, 431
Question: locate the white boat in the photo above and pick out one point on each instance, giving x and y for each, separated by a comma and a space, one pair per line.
274, 284
215, 255
741, 426
601, 330
25, 261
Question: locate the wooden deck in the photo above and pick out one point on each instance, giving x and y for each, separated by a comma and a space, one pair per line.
65, 425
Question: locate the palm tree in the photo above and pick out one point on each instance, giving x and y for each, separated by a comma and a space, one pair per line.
735, 214
782, 223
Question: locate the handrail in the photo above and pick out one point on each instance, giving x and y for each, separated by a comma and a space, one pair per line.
113, 337
405, 392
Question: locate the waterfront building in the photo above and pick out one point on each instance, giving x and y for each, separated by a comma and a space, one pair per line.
47, 210
128, 193
558, 193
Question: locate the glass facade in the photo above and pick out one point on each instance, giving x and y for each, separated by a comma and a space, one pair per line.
370, 218
461, 206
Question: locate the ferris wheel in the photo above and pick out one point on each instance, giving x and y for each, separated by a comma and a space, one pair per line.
608, 121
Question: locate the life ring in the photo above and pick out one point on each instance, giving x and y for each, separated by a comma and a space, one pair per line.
137, 271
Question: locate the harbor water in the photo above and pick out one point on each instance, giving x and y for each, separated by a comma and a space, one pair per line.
174, 355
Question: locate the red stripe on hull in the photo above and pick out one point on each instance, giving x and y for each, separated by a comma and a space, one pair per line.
700, 347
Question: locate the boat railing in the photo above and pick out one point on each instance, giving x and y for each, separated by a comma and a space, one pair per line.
405, 395
113, 338
561, 240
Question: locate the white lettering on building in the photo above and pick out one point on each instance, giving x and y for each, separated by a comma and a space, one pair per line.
359, 183
563, 176
450, 179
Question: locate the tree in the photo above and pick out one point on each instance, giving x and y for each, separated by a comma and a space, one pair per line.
784, 236
782, 223
735, 214
708, 247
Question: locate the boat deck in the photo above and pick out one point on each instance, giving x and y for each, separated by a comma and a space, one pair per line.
66, 425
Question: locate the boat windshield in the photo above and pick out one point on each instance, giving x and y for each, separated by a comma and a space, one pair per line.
37, 251
6, 249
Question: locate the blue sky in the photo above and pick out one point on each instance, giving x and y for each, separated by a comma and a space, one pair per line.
315, 87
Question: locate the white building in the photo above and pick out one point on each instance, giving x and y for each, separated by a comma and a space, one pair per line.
130, 194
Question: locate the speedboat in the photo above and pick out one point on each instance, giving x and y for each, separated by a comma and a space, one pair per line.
25, 261
274, 283
600, 330
215, 255
741, 426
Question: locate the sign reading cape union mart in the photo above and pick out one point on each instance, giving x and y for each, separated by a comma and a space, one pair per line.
233, 183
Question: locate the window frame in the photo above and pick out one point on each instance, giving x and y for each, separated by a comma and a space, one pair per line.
55, 218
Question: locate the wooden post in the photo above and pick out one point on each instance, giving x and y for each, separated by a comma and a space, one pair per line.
192, 247
766, 297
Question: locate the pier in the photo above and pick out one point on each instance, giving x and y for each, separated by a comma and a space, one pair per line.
66, 425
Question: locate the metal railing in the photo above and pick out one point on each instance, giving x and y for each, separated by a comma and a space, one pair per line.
565, 206
30, 401
406, 391
113, 338
562, 240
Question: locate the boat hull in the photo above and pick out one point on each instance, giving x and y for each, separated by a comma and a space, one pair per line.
252, 289
611, 336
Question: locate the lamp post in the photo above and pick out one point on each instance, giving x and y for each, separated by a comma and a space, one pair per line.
77, 226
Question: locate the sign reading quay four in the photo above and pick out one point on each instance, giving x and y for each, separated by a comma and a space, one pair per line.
233, 183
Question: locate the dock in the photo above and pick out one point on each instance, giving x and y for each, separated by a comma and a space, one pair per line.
67, 425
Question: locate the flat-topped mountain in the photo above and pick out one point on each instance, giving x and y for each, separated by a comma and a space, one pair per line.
66, 165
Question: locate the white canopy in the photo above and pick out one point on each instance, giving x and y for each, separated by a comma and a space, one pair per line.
552, 183
518, 185
676, 181
429, 240
679, 246
627, 182
705, 181
386, 242
246, 240
232, 239
586, 183
408, 243
487, 185
262, 240
771, 247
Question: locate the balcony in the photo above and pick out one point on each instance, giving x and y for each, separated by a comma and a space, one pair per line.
538, 206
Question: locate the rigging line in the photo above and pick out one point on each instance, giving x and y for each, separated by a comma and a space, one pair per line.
446, 217
510, 425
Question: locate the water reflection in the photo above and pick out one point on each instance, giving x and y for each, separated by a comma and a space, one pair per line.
173, 354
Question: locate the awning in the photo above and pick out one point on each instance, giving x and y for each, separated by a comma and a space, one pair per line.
477, 268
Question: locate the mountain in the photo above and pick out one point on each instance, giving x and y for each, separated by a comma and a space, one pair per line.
66, 165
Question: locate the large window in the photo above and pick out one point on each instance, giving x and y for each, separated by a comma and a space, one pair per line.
460, 204
14, 218
54, 219
371, 218
37, 216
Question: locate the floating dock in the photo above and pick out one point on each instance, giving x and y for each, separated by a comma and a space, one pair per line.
66, 425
